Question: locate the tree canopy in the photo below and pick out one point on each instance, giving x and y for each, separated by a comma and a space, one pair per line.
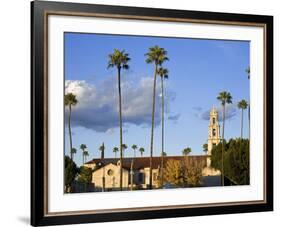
236, 160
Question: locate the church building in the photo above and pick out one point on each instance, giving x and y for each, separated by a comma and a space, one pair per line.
106, 171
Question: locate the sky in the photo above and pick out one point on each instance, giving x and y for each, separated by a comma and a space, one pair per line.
198, 70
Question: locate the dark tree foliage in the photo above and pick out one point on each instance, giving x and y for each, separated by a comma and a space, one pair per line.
236, 161
70, 171
85, 175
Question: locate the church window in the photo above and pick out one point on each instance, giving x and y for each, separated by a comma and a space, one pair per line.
214, 120
214, 132
110, 172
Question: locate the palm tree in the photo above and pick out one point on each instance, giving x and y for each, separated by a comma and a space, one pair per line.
163, 73
70, 100
205, 147
83, 147
134, 147
119, 59
242, 105
225, 98
156, 56
73, 151
115, 150
248, 72
101, 149
124, 147
85, 154
141, 150
186, 151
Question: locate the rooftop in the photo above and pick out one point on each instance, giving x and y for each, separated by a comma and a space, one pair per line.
143, 162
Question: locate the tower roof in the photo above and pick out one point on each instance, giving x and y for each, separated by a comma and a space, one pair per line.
213, 110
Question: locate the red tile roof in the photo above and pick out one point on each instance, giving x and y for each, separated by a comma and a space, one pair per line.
143, 162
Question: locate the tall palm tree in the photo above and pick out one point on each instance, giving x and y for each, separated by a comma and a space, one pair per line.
83, 147
163, 73
225, 98
85, 154
134, 147
102, 149
141, 150
248, 72
124, 147
73, 151
119, 59
186, 151
205, 147
115, 150
156, 56
242, 105
70, 100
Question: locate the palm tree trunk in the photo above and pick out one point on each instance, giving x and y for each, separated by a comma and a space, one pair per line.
131, 173
222, 152
120, 125
249, 121
152, 128
162, 154
242, 124
69, 131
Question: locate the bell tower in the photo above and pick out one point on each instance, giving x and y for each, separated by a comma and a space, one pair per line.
214, 132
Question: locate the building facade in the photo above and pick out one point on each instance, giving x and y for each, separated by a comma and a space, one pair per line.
106, 172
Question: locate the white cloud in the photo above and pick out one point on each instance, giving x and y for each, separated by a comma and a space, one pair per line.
230, 112
97, 107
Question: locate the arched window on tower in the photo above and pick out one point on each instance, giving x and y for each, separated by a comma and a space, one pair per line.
214, 120
214, 132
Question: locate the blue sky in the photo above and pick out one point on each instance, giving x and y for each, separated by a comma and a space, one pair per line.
198, 70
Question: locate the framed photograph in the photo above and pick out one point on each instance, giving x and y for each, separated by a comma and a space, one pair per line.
141, 113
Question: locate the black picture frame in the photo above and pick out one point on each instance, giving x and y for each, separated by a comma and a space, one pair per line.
39, 120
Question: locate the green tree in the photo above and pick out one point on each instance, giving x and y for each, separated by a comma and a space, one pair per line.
157, 56
119, 59
141, 150
83, 147
205, 147
115, 150
134, 147
225, 98
85, 176
236, 160
70, 172
242, 105
85, 154
186, 151
70, 100
163, 73
73, 151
